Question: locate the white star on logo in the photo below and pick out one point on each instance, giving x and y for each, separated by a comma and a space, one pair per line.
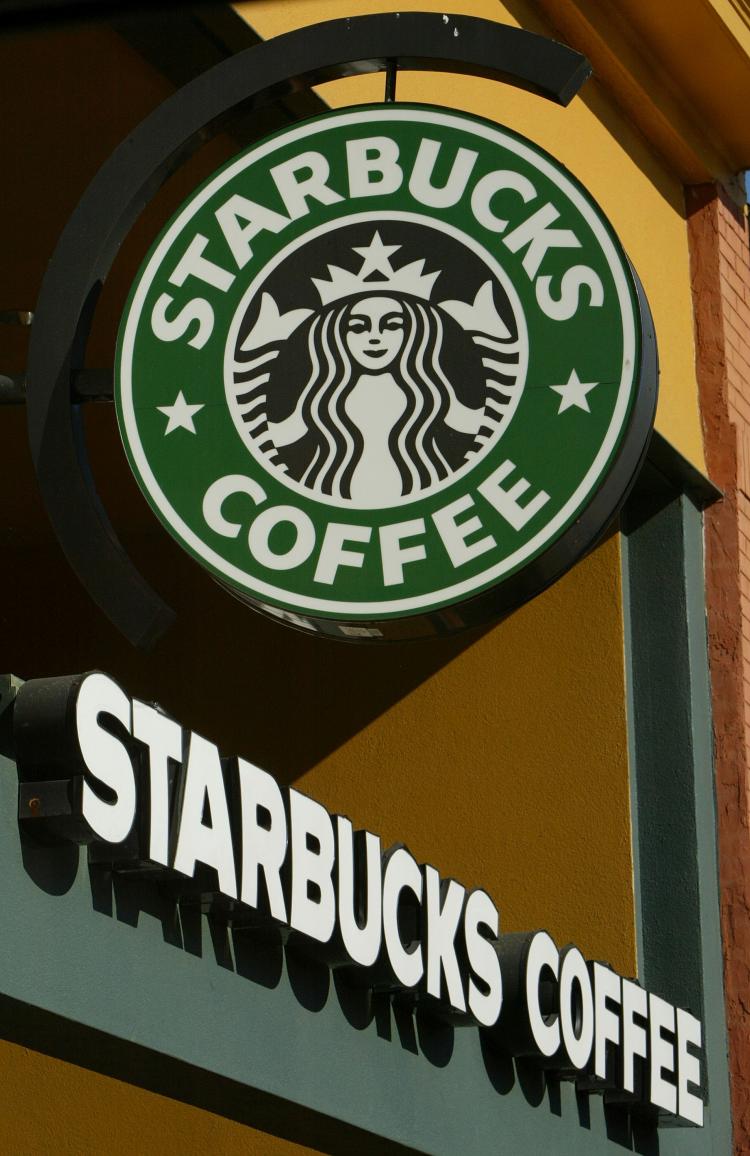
574, 392
180, 414
376, 257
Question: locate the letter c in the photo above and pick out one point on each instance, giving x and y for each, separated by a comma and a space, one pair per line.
218, 492
485, 190
545, 1030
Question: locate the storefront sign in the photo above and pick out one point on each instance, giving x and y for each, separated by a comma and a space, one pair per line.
389, 361
99, 767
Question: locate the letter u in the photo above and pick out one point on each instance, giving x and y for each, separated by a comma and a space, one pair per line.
420, 183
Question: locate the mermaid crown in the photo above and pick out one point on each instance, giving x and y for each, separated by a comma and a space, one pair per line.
376, 275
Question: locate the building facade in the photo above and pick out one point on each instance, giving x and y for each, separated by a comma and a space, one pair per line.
583, 760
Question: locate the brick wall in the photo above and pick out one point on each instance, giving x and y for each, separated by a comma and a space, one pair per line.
720, 266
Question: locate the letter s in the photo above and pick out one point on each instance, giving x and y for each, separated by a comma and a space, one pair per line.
565, 306
197, 309
105, 758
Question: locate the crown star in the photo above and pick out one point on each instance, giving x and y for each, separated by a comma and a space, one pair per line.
376, 258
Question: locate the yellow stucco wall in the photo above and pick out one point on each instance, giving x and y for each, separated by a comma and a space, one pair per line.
507, 768
53, 1108
638, 193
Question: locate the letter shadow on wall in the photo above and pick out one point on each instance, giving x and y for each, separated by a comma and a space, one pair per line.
260, 954
52, 868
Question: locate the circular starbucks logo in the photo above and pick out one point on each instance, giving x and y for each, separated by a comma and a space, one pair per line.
385, 363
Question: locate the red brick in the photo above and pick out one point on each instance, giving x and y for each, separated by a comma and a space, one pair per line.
720, 272
732, 282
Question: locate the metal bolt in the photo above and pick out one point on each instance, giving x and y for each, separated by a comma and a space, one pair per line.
16, 317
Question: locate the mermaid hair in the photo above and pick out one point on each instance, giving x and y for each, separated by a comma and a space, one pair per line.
336, 443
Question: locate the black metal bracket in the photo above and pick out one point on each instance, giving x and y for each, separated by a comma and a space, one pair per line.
85, 385
131, 177
51, 811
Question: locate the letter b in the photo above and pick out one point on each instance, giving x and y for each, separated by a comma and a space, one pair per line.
374, 170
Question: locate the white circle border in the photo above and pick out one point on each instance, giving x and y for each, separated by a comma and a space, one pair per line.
459, 590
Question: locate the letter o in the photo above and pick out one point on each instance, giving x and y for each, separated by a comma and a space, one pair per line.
576, 1010
298, 552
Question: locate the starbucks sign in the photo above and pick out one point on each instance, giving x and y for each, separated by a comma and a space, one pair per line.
387, 368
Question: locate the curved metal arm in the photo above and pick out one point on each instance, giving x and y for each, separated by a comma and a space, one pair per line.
132, 175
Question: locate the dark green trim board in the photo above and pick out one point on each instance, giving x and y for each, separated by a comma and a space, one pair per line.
674, 813
217, 1010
